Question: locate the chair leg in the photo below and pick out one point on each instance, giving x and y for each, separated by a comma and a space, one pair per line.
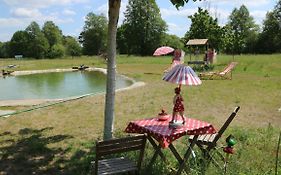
210, 158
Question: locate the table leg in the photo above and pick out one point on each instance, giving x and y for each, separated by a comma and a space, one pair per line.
156, 147
156, 153
187, 154
175, 152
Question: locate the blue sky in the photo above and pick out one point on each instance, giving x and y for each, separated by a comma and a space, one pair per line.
69, 14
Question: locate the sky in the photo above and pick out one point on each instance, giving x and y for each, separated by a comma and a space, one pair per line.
69, 15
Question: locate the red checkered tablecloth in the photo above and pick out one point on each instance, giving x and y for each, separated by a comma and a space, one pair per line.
165, 135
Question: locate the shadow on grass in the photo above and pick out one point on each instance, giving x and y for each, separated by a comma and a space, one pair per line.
28, 153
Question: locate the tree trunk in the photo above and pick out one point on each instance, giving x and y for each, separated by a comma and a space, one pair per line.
113, 14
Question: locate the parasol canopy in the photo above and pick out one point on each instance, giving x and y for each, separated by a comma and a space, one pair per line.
175, 62
182, 75
164, 50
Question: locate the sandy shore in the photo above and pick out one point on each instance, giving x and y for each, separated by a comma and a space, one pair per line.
30, 102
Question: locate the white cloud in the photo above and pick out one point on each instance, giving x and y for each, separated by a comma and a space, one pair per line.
68, 12
11, 22
5, 36
103, 9
75, 33
177, 29
10, 25
23, 17
35, 15
25, 12
237, 3
259, 15
253, 3
173, 12
41, 3
220, 14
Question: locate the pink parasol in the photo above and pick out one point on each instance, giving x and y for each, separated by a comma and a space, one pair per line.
182, 75
163, 50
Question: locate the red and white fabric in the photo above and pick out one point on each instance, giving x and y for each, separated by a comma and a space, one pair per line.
175, 62
165, 135
164, 50
182, 74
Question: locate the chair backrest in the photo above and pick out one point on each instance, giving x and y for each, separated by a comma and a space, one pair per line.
120, 145
228, 68
223, 128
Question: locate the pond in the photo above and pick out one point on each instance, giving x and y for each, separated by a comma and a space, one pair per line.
56, 85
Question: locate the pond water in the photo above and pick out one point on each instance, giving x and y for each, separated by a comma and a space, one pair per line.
55, 85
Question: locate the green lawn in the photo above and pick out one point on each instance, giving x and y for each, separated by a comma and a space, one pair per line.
59, 139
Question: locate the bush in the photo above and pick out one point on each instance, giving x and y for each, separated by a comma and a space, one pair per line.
56, 51
202, 68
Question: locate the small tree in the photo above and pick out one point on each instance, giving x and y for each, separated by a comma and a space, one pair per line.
204, 26
5, 50
143, 26
56, 51
93, 36
19, 43
52, 33
72, 47
37, 43
172, 41
244, 29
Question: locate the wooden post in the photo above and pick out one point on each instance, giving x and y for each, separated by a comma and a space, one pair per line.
277, 153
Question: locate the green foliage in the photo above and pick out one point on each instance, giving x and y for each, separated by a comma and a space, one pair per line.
93, 36
180, 3
56, 51
52, 33
72, 47
202, 68
270, 38
172, 41
122, 45
1, 45
227, 39
143, 27
37, 43
5, 50
204, 26
19, 43
243, 31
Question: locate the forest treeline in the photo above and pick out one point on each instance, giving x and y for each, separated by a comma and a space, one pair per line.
143, 30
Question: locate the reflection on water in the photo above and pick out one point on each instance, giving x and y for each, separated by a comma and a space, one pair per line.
55, 85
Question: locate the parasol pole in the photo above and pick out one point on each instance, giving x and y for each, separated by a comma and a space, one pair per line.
180, 86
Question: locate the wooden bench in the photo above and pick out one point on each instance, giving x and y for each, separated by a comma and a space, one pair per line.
119, 164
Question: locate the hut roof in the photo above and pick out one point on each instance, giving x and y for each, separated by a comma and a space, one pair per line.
197, 42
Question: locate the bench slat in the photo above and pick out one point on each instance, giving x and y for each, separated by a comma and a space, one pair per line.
116, 165
118, 150
120, 145
120, 164
138, 137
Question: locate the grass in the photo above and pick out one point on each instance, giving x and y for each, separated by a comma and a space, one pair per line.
59, 139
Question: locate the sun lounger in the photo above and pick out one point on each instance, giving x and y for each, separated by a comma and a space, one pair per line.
226, 73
